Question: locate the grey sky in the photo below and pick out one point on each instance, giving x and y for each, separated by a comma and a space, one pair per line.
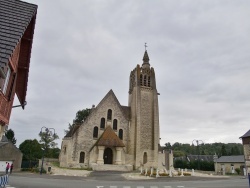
200, 51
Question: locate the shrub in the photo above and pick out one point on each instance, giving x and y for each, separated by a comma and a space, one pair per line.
237, 170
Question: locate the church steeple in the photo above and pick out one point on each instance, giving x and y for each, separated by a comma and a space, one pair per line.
145, 59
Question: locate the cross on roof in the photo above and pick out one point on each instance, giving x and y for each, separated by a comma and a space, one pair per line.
145, 46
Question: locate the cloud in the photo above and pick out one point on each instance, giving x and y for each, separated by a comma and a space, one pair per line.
199, 50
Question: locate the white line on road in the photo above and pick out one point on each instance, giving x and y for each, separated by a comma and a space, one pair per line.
126, 187
113, 186
153, 186
180, 186
167, 186
140, 186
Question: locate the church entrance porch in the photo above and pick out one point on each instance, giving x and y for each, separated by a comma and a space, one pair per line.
108, 156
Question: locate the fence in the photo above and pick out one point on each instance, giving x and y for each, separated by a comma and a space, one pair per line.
4, 180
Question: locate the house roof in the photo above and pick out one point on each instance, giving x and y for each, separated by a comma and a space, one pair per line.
109, 139
15, 18
231, 159
17, 23
247, 134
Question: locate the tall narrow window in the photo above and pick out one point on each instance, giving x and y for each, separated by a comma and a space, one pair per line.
149, 81
109, 116
145, 80
95, 132
145, 158
11, 90
121, 134
6, 80
141, 79
82, 156
115, 124
102, 125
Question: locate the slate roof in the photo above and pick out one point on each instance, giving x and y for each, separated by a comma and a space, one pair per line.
15, 17
231, 159
247, 134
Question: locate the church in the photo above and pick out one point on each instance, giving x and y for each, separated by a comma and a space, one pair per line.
117, 137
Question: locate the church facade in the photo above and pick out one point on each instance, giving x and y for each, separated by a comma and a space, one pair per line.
119, 136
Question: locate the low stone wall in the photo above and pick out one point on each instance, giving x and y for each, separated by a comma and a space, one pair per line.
97, 167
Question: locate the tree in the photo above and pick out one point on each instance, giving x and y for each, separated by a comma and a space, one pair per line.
11, 136
168, 146
32, 151
81, 116
47, 140
70, 126
223, 150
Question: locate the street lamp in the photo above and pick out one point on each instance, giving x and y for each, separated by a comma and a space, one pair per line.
198, 142
48, 132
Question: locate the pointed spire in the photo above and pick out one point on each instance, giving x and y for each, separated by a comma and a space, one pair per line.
145, 59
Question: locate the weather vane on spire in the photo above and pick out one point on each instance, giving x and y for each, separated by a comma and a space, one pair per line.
145, 46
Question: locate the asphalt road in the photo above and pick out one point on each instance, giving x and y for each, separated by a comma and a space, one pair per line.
115, 180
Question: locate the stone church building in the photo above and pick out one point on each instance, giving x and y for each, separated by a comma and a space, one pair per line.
115, 136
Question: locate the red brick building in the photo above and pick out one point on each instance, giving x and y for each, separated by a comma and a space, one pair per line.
17, 24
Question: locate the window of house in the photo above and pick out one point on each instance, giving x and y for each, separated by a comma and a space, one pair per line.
6, 81
11, 90
95, 132
121, 134
102, 125
82, 156
115, 124
109, 116
64, 150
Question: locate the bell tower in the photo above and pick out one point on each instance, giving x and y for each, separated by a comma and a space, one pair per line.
144, 126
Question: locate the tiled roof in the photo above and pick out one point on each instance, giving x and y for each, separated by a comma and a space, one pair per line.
231, 159
15, 17
247, 134
109, 138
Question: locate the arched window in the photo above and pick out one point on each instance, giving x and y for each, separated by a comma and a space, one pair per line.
82, 156
149, 81
115, 124
141, 79
145, 158
95, 132
109, 116
145, 80
102, 125
121, 134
